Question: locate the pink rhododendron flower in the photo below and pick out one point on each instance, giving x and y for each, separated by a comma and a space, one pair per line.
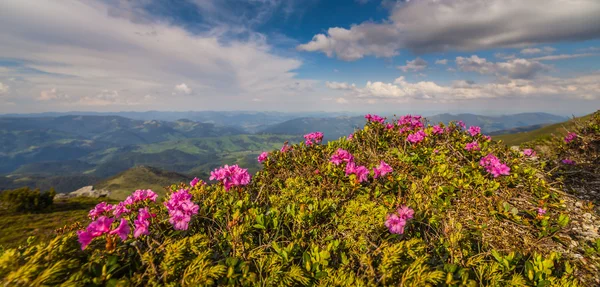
413, 122
389, 126
374, 118
141, 195
120, 209
472, 146
340, 156
84, 238
181, 208
285, 148
100, 209
461, 124
570, 137
493, 165
474, 130
382, 169
529, 152
122, 230
313, 138
231, 176
436, 151
94, 229
263, 156
396, 222
487, 138
142, 223
350, 136
361, 172
194, 181
437, 130
541, 211
416, 137
568, 161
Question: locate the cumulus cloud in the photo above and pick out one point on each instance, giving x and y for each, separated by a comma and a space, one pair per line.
515, 68
433, 25
339, 86
82, 47
533, 51
52, 94
582, 88
441, 62
3, 88
183, 88
417, 64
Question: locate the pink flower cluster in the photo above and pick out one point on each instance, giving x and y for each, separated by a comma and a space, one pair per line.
416, 137
340, 156
231, 176
396, 222
350, 137
568, 161
437, 130
374, 118
100, 209
472, 146
102, 226
541, 211
361, 172
194, 182
181, 208
382, 169
413, 122
529, 152
570, 137
263, 156
141, 195
474, 130
142, 223
461, 124
313, 138
120, 209
285, 148
493, 165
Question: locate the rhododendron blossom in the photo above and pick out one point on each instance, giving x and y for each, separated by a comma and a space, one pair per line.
413, 122
437, 130
382, 169
96, 228
141, 195
231, 176
374, 118
350, 136
493, 165
416, 137
361, 172
313, 138
194, 181
568, 161
142, 223
396, 222
472, 146
100, 209
122, 230
389, 126
570, 137
461, 124
541, 211
340, 156
285, 148
263, 156
120, 209
474, 130
529, 152
181, 208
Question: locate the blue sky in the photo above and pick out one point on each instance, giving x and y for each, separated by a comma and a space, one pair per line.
419, 56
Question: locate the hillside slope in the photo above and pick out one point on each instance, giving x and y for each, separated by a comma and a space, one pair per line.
428, 206
542, 133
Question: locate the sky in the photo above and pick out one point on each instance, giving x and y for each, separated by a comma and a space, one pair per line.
418, 56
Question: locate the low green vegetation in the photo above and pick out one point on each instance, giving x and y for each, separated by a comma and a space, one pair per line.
454, 209
17, 228
541, 134
26, 200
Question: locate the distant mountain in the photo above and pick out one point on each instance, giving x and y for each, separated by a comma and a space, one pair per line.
541, 133
332, 128
140, 177
518, 130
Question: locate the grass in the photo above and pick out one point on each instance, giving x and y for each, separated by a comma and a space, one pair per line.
16, 228
541, 133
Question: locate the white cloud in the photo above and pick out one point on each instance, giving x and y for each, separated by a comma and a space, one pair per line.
441, 62
52, 95
533, 51
339, 86
79, 48
589, 49
582, 88
417, 64
183, 88
3, 88
516, 68
564, 56
341, 101
433, 25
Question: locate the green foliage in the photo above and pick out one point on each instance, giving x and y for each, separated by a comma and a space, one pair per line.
26, 200
303, 222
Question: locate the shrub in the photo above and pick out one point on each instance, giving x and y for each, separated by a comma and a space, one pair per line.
26, 199
384, 207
